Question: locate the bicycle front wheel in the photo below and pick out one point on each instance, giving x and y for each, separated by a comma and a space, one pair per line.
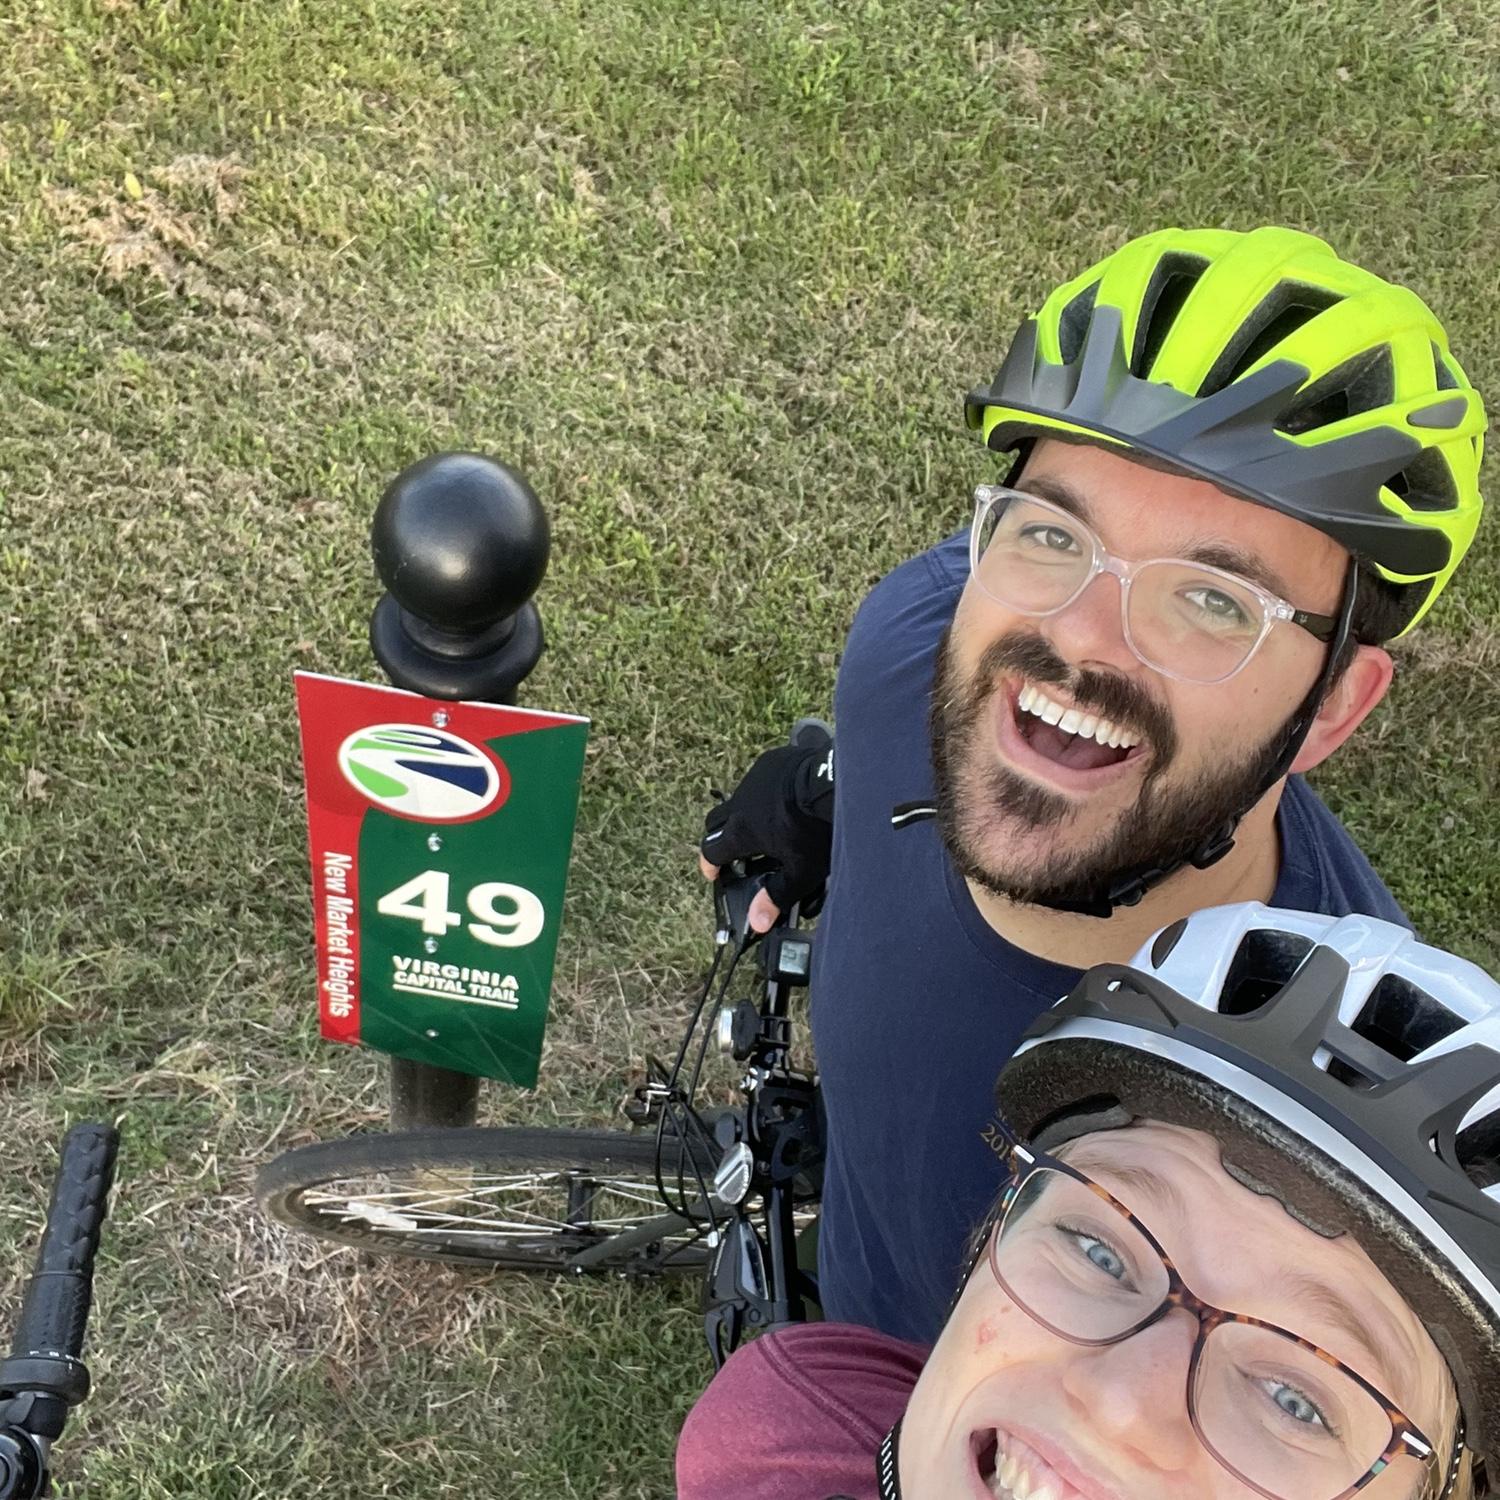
514, 1199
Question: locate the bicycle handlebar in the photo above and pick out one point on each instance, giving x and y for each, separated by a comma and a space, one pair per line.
44, 1375
57, 1301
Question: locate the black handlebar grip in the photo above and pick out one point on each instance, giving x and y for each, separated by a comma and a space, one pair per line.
56, 1306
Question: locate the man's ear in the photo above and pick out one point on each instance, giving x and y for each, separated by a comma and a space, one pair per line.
1362, 686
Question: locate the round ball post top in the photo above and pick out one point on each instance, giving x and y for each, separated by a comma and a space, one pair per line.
460, 541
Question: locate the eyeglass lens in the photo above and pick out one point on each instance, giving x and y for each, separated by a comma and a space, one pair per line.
1271, 1411
1187, 621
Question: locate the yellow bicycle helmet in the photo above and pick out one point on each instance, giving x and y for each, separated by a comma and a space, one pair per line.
1267, 365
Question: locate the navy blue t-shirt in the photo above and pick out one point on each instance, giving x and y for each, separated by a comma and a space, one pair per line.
916, 1001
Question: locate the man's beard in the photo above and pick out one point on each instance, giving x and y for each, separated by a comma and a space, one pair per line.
975, 793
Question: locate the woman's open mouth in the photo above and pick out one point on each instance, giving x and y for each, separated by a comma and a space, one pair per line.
1051, 740
1008, 1469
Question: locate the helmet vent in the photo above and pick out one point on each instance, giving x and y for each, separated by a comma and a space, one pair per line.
1262, 964
1350, 1076
1478, 1150
1443, 377
1073, 323
1174, 277
1403, 1019
1360, 384
1281, 313
1426, 483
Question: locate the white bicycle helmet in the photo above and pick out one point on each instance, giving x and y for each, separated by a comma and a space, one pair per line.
1347, 1069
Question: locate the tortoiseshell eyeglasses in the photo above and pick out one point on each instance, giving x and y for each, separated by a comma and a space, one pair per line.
1280, 1414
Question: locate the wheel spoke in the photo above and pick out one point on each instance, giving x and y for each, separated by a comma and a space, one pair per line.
533, 1213
490, 1212
449, 1209
408, 1197
357, 1209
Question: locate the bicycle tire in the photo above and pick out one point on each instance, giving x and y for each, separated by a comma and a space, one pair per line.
342, 1192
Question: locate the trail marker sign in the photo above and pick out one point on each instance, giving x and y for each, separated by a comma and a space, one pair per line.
440, 835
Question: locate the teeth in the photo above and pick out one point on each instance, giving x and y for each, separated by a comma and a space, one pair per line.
1017, 1479
1009, 1482
1033, 700
1002, 1480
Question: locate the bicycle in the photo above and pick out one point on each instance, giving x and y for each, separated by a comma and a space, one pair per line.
45, 1377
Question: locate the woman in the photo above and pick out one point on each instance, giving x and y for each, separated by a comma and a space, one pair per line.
1248, 1245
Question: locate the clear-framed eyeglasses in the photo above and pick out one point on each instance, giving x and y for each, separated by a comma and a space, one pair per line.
1183, 619
1288, 1419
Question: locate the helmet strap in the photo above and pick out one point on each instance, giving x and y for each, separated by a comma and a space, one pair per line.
1128, 886
1455, 1463
886, 1464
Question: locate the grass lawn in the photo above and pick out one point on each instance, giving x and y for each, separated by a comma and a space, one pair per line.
716, 276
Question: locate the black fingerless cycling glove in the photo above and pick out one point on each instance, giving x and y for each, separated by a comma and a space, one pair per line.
783, 810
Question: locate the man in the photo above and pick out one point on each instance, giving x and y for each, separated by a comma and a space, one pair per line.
1242, 465
1228, 1260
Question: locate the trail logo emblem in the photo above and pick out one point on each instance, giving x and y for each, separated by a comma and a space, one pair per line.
419, 772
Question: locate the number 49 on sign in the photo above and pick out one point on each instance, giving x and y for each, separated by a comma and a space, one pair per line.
424, 899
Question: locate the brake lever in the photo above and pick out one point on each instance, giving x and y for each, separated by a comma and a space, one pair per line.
735, 1292
735, 888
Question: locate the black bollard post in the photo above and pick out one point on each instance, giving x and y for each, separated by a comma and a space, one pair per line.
460, 542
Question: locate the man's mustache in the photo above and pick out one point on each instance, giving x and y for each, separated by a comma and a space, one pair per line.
1104, 693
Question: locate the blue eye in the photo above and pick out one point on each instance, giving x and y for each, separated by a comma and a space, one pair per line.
1295, 1404
1099, 1253
1105, 1258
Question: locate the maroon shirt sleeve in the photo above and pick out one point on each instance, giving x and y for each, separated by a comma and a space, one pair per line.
797, 1415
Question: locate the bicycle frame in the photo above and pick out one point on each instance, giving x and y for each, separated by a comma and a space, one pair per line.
754, 1282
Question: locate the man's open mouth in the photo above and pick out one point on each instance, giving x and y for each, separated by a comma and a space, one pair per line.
1068, 736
